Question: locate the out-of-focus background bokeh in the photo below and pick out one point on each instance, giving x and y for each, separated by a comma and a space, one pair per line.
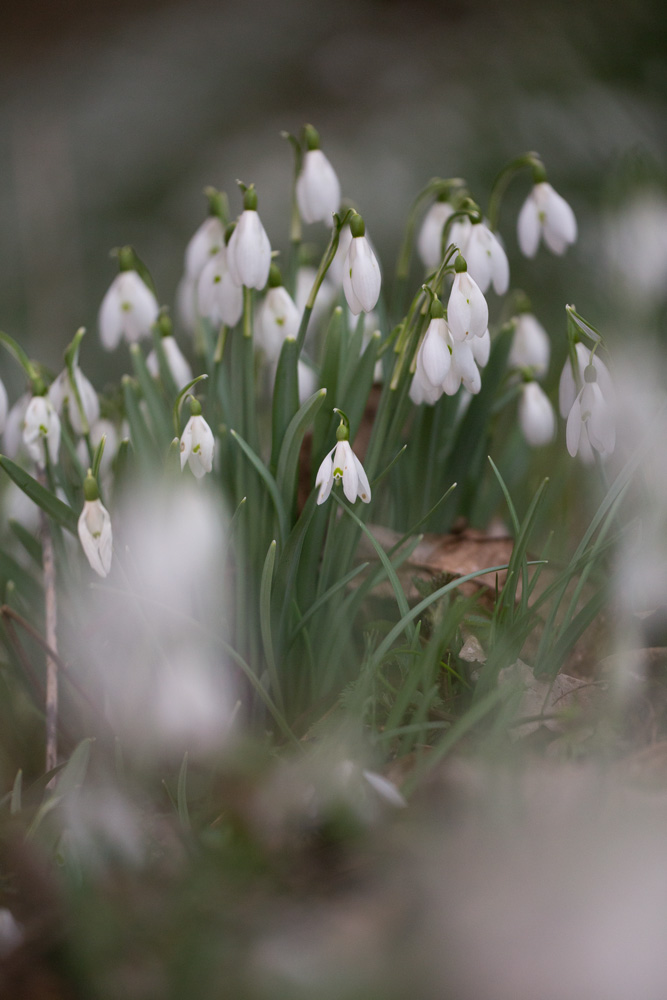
113, 118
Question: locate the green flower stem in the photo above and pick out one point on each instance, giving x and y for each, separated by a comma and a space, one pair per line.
22, 358
325, 264
502, 181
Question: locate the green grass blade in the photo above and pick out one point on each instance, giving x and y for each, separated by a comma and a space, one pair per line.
265, 623
50, 504
268, 481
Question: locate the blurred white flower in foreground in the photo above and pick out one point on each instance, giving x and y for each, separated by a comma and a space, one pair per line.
128, 310
635, 241
545, 214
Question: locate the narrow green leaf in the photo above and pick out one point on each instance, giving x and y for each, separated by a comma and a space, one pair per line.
285, 398
265, 623
268, 481
142, 438
291, 446
50, 504
31, 544
156, 404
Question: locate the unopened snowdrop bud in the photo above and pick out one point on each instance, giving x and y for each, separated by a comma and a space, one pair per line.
219, 297
342, 464
536, 415
197, 442
531, 347
590, 421
249, 250
61, 393
317, 186
361, 275
467, 311
486, 259
94, 528
41, 430
128, 310
434, 351
548, 216
278, 317
429, 241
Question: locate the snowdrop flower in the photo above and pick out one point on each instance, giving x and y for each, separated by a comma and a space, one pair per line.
435, 356
463, 369
197, 442
277, 318
486, 259
467, 311
12, 437
128, 310
249, 250
536, 416
337, 267
342, 464
361, 275
568, 387
429, 241
181, 372
41, 428
481, 348
94, 528
219, 296
545, 214
531, 347
61, 393
317, 186
208, 240
590, 422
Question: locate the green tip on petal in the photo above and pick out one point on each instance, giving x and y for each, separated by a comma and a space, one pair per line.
460, 264
311, 137
126, 259
250, 199
90, 490
275, 277
437, 309
357, 225
195, 407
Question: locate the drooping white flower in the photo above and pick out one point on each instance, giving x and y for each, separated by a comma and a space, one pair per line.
249, 250
434, 357
61, 393
219, 297
486, 259
531, 347
277, 319
180, 369
481, 348
336, 270
463, 369
342, 464
41, 429
128, 310
467, 311
12, 437
207, 241
590, 421
197, 444
94, 529
545, 214
536, 415
361, 275
429, 241
317, 189
570, 383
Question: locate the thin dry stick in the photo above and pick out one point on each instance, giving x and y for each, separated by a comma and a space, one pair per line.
49, 568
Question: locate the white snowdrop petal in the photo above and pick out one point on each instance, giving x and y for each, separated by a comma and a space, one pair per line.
528, 227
